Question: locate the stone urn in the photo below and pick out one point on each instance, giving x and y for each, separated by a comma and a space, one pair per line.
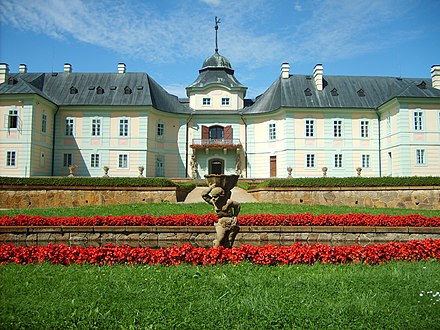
141, 171
106, 168
324, 171
359, 170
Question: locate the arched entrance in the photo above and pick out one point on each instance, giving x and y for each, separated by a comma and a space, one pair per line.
216, 166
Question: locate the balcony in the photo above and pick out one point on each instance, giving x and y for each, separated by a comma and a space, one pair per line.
216, 144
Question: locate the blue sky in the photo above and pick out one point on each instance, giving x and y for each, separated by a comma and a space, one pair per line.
170, 39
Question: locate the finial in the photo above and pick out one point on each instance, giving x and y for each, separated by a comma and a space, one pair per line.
217, 20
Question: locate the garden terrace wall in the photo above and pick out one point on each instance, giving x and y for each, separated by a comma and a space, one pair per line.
70, 196
426, 197
204, 235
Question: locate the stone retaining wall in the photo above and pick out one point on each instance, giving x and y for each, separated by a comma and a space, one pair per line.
47, 196
204, 235
388, 197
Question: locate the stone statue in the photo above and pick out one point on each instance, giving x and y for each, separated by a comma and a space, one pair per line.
226, 227
193, 165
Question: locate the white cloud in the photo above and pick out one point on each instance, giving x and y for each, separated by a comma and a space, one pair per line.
154, 34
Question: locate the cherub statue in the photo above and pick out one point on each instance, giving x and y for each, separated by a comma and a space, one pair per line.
227, 210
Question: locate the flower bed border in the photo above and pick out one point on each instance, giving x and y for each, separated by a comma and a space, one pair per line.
265, 255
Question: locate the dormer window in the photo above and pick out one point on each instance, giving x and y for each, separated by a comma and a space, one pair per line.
334, 92
127, 90
307, 92
225, 100
73, 90
99, 90
422, 85
361, 93
12, 81
206, 101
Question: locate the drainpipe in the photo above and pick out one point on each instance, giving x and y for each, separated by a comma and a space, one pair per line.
187, 145
53, 141
380, 146
245, 145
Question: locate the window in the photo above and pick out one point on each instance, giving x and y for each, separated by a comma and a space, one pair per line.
67, 160
388, 123
216, 133
94, 160
123, 161
13, 118
99, 90
159, 167
272, 131
160, 130
44, 123
73, 90
418, 121
310, 160
206, 101
337, 128
225, 100
69, 126
364, 128
11, 158
338, 160
365, 161
127, 90
310, 127
123, 127
420, 157
96, 126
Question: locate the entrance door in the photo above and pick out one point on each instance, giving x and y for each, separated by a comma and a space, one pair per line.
273, 166
216, 166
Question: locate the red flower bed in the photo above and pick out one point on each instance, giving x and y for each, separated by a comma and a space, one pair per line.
353, 219
263, 255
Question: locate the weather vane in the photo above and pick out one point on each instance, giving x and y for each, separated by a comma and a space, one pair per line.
217, 20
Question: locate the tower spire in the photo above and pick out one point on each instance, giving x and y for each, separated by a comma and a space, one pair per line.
217, 20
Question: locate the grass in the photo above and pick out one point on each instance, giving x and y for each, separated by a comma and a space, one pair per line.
203, 208
241, 296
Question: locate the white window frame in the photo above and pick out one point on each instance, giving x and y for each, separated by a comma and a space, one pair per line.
123, 161
365, 161
388, 120
69, 126
309, 127
160, 130
206, 101
418, 120
95, 160
337, 128
365, 128
310, 161
160, 166
13, 123
96, 126
420, 157
67, 159
124, 126
338, 161
226, 101
44, 122
11, 158
272, 131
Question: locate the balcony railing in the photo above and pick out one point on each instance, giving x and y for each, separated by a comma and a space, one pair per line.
216, 143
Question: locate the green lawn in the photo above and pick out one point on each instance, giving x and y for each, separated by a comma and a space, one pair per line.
203, 208
241, 296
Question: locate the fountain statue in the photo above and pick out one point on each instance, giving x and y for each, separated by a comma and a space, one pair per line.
218, 194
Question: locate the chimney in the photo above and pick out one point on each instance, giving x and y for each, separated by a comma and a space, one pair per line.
435, 75
22, 68
67, 67
285, 70
317, 76
121, 67
4, 70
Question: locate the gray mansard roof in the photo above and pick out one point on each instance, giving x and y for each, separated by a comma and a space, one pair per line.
299, 91
118, 89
